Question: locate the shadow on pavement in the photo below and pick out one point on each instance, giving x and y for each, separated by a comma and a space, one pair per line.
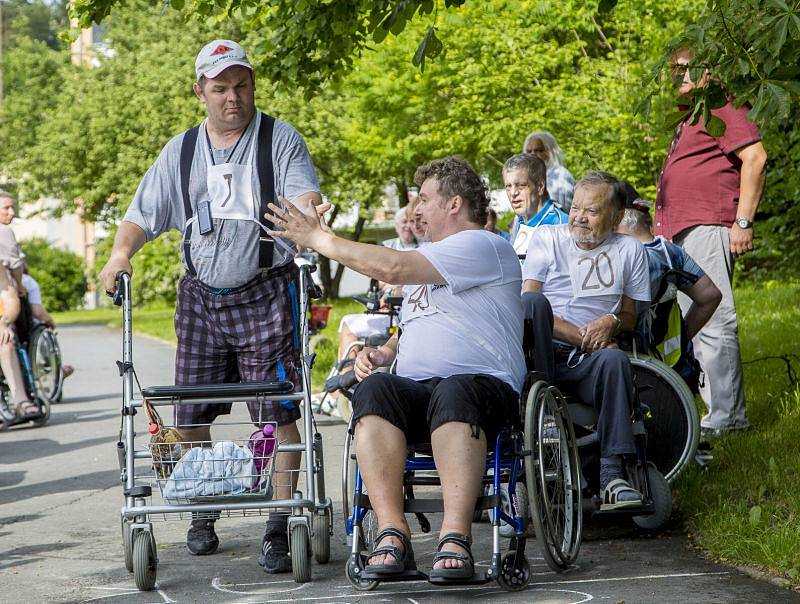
18, 519
21, 556
39, 448
85, 482
83, 417
9, 479
72, 400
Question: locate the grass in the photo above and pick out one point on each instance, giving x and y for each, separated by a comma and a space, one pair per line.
745, 509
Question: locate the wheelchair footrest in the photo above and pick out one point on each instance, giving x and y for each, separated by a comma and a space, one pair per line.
477, 578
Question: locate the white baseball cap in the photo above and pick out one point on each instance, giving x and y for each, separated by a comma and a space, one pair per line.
217, 56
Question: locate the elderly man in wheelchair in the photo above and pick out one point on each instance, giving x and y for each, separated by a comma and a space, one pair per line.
452, 386
581, 282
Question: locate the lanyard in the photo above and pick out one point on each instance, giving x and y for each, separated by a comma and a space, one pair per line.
230, 155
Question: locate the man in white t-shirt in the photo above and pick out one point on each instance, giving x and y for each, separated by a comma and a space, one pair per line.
454, 386
581, 284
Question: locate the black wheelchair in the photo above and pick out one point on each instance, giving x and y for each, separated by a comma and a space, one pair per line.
40, 361
536, 452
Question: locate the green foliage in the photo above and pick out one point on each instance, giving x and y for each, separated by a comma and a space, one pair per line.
752, 47
157, 267
291, 52
61, 274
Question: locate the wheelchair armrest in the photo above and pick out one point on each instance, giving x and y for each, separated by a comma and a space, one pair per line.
249, 390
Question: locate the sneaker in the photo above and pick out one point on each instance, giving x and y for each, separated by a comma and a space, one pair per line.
201, 540
507, 530
274, 556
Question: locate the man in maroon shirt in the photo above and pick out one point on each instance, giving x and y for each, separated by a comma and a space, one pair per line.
706, 202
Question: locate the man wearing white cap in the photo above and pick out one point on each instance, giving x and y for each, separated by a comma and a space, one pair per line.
237, 306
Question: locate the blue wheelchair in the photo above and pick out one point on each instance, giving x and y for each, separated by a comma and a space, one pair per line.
536, 452
40, 362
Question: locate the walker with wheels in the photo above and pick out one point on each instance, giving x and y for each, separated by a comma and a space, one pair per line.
159, 471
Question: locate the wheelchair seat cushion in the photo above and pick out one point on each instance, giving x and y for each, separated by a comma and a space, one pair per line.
403, 558
619, 494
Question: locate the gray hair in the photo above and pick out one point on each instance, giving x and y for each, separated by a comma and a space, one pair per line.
400, 215
533, 167
550, 143
616, 189
637, 221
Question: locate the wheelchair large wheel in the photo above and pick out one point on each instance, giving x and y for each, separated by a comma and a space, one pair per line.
552, 473
45, 356
670, 416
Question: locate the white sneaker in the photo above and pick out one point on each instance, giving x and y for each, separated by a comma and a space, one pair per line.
507, 530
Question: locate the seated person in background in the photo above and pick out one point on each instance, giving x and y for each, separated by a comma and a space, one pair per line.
491, 225
454, 387
560, 182
39, 312
9, 361
665, 259
358, 326
525, 179
581, 282
405, 237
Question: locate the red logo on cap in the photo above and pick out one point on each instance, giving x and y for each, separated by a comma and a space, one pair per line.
221, 50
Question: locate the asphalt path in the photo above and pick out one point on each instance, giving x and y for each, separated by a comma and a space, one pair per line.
60, 497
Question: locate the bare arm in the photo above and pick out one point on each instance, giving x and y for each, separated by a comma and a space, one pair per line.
40, 313
751, 187
129, 239
705, 299
382, 263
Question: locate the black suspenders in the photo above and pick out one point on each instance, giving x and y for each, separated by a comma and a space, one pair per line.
264, 169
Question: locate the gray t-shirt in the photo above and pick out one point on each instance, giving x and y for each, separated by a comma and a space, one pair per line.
228, 256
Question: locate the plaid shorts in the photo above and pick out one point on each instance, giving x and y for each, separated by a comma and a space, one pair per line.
248, 334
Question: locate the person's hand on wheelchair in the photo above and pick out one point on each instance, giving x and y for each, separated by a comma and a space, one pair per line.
370, 359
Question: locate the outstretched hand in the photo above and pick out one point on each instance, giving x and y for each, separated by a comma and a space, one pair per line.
294, 224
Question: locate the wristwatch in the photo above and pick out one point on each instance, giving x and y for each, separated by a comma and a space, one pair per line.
744, 223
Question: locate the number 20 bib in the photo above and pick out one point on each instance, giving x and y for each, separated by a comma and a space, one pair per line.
596, 272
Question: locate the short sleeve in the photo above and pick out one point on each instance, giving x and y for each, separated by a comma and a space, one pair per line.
455, 259
685, 263
157, 205
34, 292
294, 167
739, 131
538, 255
637, 285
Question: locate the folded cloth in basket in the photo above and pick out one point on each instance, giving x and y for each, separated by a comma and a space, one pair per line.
224, 469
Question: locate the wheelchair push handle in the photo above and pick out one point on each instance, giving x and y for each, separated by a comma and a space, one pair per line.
312, 289
122, 288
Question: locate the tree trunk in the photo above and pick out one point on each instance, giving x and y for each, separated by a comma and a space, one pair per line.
330, 282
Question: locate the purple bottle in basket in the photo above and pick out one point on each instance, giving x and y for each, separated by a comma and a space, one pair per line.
262, 444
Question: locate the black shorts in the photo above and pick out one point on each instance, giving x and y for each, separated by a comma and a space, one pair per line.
419, 407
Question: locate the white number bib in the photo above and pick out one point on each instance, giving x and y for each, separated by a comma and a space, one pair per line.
230, 187
596, 272
522, 239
